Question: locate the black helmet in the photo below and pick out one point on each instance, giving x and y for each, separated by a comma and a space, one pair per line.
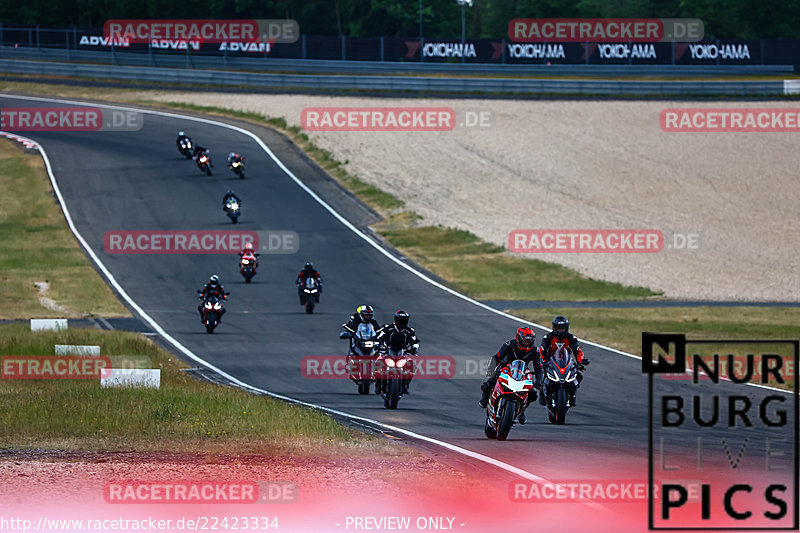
526, 338
400, 319
309, 266
230, 193
213, 280
365, 312
560, 326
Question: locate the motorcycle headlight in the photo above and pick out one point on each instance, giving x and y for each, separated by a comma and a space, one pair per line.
208, 305
389, 362
552, 375
368, 344
217, 306
245, 262
235, 164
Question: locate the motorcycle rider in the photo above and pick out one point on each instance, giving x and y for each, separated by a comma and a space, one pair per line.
200, 150
230, 195
181, 136
522, 346
398, 336
364, 315
212, 288
560, 335
249, 249
233, 157
308, 271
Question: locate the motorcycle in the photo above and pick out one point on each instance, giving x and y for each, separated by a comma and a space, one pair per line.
233, 208
185, 147
362, 355
248, 265
238, 168
560, 383
310, 294
508, 399
204, 162
212, 312
391, 374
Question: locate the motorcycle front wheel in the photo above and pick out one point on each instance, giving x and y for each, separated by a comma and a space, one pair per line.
506, 420
393, 394
560, 413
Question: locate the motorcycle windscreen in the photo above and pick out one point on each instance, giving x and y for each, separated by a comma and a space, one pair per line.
311, 283
517, 370
365, 332
562, 357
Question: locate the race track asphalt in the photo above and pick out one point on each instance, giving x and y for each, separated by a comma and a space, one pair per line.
138, 181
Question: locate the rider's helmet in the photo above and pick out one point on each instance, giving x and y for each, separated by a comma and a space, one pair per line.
181, 134
213, 281
400, 319
365, 312
231, 156
526, 339
230, 193
308, 267
560, 326
248, 248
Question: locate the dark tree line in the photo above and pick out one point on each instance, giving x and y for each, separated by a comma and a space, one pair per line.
400, 18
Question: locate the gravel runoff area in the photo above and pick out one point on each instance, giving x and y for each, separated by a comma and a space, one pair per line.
558, 164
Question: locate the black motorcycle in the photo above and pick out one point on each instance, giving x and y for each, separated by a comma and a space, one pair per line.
204, 162
233, 208
212, 312
185, 147
560, 383
310, 293
363, 353
238, 167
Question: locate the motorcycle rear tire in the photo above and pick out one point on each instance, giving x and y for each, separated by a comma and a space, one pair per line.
506, 420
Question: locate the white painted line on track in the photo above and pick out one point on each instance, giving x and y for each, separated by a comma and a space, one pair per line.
469, 453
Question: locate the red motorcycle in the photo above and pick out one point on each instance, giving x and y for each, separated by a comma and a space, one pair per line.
248, 266
392, 373
204, 162
508, 400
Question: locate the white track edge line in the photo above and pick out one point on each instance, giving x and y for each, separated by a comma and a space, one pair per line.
452, 447
347, 224
344, 221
